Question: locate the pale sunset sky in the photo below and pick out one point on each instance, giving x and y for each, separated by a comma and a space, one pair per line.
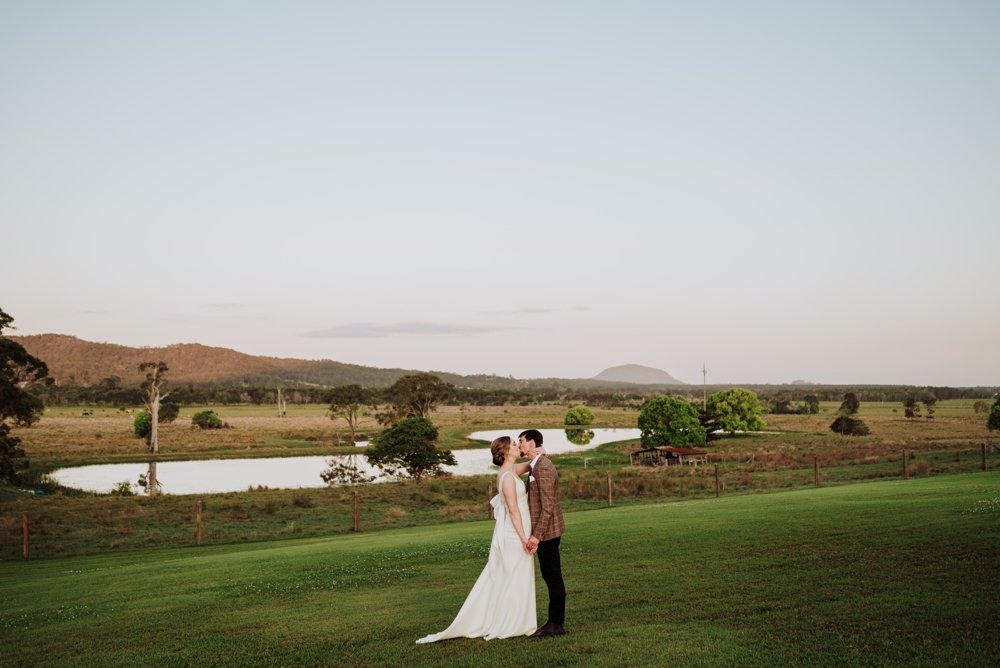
781, 190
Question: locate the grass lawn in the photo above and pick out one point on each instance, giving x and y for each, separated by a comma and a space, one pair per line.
885, 573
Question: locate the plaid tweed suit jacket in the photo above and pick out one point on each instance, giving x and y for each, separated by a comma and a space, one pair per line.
543, 501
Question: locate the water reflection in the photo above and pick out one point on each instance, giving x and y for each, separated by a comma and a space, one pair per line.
580, 436
149, 481
238, 475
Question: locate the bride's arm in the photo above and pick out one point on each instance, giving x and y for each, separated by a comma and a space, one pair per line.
510, 496
522, 468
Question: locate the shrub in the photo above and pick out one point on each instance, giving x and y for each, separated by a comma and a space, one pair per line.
849, 426
579, 415
206, 420
142, 426
124, 488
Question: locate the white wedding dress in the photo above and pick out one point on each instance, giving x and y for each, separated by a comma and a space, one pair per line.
502, 602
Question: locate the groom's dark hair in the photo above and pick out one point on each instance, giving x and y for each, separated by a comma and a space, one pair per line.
532, 435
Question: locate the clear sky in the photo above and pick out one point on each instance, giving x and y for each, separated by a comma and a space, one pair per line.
783, 190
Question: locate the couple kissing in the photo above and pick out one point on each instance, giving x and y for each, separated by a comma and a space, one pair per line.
529, 523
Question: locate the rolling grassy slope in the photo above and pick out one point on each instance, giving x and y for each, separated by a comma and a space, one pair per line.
890, 573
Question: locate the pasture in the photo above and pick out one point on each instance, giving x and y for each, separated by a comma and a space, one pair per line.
65, 522
901, 572
67, 436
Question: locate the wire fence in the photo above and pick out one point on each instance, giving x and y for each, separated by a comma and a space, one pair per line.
88, 525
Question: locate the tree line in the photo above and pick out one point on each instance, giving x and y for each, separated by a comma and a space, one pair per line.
782, 399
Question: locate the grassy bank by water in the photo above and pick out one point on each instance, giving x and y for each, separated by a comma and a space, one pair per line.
887, 573
77, 523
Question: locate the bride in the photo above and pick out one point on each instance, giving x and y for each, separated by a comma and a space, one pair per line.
502, 602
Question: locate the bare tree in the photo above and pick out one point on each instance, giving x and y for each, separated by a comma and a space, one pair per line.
152, 387
281, 404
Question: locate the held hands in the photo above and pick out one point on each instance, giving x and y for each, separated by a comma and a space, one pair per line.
531, 545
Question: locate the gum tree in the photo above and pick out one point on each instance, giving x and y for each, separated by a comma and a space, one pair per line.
153, 393
409, 447
152, 389
415, 395
17, 407
348, 402
846, 424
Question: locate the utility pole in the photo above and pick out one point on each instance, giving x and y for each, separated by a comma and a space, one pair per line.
704, 386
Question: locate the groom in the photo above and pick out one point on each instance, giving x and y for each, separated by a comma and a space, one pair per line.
546, 528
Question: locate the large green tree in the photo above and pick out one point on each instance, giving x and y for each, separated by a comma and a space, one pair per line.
993, 421
669, 421
735, 410
17, 407
409, 447
415, 395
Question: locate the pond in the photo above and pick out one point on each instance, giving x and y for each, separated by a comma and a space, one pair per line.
237, 475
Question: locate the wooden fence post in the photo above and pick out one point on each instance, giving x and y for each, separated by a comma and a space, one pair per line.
718, 487
984, 455
489, 498
816, 470
610, 501
905, 473
357, 510
197, 524
24, 518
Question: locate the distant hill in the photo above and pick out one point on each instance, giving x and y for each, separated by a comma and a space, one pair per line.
73, 361
637, 374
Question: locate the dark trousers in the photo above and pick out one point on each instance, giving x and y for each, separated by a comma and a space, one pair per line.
548, 564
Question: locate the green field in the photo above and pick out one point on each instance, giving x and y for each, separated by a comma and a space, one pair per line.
886, 573
70, 523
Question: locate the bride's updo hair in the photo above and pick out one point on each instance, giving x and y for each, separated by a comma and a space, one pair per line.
499, 449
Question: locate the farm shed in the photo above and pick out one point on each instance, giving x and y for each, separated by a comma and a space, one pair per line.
665, 455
